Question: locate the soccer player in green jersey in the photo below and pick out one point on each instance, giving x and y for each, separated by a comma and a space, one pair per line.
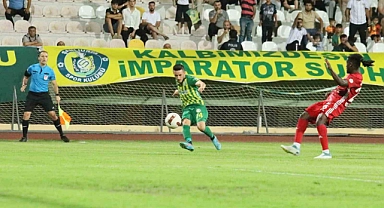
194, 110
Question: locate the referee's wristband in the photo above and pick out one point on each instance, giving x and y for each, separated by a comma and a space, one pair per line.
57, 95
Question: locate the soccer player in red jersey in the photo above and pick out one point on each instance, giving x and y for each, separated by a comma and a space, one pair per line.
322, 113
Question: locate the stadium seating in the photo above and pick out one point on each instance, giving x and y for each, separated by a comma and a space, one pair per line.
249, 46
6, 26
79, 20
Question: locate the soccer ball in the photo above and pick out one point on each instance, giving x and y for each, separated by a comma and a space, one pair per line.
173, 120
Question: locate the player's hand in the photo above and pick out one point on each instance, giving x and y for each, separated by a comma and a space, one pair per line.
58, 99
328, 65
8, 11
176, 93
22, 89
201, 88
26, 10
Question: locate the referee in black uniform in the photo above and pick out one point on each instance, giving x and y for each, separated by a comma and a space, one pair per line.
41, 75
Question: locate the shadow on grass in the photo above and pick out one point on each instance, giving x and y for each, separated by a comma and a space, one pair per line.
39, 201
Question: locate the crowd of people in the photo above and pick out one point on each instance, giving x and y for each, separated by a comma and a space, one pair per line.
124, 21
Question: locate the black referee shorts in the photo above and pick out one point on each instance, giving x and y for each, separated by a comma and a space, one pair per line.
38, 98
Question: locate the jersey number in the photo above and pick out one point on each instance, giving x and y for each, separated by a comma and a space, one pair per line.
199, 115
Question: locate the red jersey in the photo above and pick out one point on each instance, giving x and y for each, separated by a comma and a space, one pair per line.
338, 100
341, 97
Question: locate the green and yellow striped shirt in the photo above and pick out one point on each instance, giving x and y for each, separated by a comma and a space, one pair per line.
188, 91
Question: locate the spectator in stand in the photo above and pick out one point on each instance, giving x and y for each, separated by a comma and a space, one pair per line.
277, 3
309, 17
317, 43
131, 22
216, 19
113, 20
268, 20
336, 36
60, 43
331, 29
343, 8
123, 4
223, 34
150, 23
248, 12
380, 13
232, 44
357, 14
375, 28
345, 45
182, 18
295, 38
331, 8
377, 39
319, 4
167, 46
17, 7
288, 4
31, 38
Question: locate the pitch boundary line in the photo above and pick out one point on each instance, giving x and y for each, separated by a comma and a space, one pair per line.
311, 175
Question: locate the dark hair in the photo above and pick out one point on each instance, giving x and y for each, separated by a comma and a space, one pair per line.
357, 60
339, 26
308, 2
343, 36
331, 19
317, 36
178, 67
217, 1
31, 27
233, 34
151, 2
114, 2
40, 52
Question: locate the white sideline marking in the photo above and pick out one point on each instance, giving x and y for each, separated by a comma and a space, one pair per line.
312, 175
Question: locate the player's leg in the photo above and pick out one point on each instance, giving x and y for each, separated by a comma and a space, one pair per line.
25, 125
186, 117
301, 126
30, 104
201, 118
321, 122
308, 115
46, 103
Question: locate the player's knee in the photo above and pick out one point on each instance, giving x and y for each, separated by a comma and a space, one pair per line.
201, 126
321, 120
305, 115
52, 115
187, 122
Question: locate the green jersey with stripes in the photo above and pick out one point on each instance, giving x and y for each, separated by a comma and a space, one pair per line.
188, 91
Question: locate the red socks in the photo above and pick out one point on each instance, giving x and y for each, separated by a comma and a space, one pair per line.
322, 130
302, 125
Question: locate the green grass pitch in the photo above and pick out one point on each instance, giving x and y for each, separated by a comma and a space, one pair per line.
161, 174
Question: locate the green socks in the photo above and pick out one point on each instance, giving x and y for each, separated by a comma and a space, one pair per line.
208, 132
187, 133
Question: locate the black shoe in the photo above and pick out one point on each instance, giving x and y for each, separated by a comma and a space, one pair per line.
23, 139
64, 138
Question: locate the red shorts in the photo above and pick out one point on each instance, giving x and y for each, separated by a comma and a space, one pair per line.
331, 109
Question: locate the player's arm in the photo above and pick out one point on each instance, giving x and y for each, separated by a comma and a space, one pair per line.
338, 80
175, 93
56, 90
201, 85
24, 83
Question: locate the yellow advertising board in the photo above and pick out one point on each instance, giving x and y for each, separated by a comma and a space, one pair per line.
76, 66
